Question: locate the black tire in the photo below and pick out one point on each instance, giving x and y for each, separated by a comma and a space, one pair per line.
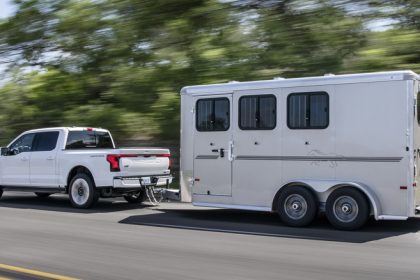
82, 191
42, 195
1, 192
135, 197
347, 209
297, 206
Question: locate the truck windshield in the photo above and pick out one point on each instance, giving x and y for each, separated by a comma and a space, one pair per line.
89, 140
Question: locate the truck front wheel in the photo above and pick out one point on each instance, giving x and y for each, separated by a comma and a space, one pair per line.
82, 192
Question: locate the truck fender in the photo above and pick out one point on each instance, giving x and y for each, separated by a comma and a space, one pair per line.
75, 167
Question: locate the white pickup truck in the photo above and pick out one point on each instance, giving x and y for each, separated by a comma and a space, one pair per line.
82, 162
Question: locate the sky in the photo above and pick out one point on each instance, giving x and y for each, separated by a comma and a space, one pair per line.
6, 8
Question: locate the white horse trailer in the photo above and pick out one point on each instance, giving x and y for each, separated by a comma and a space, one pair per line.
346, 145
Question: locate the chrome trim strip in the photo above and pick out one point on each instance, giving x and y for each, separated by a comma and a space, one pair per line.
206, 157
232, 206
311, 158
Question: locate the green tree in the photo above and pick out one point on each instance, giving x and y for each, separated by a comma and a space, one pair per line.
120, 64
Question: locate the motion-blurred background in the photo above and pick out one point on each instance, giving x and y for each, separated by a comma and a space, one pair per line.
120, 64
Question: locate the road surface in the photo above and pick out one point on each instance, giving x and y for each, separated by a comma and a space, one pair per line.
177, 241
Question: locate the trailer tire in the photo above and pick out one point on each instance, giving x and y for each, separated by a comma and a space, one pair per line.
82, 192
42, 195
347, 208
138, 197
297, 206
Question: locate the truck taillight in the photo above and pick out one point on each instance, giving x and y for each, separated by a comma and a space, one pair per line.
114, 162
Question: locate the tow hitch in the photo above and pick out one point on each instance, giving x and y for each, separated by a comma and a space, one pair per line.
155, 194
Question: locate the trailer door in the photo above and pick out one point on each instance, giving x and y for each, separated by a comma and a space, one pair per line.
212, 138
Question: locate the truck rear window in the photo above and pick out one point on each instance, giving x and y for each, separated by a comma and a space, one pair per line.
89, 140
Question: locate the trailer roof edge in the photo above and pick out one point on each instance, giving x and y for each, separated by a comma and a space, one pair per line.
304, 81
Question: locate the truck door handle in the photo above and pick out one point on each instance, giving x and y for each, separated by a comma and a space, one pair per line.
222, 152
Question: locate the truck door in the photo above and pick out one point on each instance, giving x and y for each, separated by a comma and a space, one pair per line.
15, 165
44, 160
212, 144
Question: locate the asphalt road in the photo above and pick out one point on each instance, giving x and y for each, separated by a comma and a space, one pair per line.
177, 241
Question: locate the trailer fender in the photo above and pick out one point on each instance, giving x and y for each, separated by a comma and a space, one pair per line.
323, 188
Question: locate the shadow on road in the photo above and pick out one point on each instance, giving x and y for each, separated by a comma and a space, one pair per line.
61, 203
268, 224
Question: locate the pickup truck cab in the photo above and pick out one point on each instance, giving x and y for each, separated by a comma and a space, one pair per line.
82, 162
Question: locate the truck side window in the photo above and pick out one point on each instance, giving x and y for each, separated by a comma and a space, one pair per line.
45, 141
23, 144
308, 110
213, 114
257, 112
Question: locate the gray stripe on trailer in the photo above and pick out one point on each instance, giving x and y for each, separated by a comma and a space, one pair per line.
306, 158
206, 157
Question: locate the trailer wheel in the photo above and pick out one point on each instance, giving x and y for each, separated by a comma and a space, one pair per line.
134, 197
42, 195
347, 209
82, 192
297, 206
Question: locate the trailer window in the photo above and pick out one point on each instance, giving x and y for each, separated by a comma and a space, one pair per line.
257, 112
308, 110
213, 114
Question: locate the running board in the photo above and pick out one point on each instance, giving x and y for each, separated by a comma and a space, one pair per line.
391, 217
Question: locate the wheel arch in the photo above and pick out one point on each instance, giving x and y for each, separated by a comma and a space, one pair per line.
288, 185
76, 170
364, 189
323, 188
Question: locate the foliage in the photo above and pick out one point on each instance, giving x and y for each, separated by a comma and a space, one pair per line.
120, 64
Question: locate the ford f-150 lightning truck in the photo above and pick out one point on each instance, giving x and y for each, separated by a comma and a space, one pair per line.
82, 162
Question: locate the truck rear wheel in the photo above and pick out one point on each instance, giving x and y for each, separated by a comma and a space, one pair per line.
41, 194
347, 208
82, 192
297, 206
134, 197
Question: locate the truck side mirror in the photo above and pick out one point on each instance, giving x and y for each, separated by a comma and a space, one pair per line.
4, 151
